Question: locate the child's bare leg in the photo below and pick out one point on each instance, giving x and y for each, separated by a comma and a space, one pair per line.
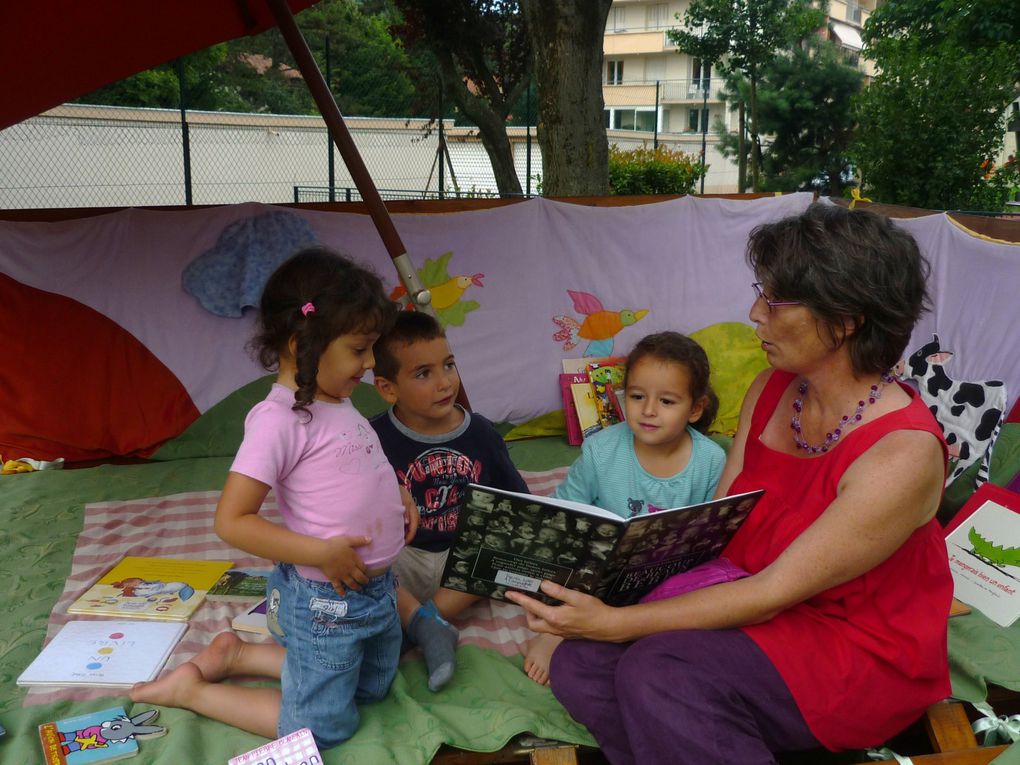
539, 656
451, 602
256, 710
229, 656
436, 636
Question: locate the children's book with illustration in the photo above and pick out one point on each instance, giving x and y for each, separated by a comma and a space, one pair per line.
507, 540
586, 408
297, 748
169, 589
105, 654
567, 380
606, 379
252, 620
240, 585
96, 737
983, 544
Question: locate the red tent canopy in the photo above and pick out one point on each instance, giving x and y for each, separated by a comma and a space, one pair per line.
56, 50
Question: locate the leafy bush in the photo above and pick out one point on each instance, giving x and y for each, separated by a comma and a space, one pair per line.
653, 171
1000, 185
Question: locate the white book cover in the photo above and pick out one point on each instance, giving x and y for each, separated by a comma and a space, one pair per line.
296, 747
105, 654
984, 556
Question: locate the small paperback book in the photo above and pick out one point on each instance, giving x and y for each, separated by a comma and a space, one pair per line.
297, 748
983, 543
252, 620
104, 654
240, 585
507, 540
97, 737
151, 588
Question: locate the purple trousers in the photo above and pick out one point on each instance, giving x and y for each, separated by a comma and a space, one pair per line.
694, 696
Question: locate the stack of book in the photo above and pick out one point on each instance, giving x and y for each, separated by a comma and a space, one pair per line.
591, 389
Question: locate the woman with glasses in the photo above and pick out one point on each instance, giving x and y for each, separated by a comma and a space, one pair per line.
838, 636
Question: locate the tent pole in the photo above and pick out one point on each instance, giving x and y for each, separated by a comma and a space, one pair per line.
348, 150
420, 297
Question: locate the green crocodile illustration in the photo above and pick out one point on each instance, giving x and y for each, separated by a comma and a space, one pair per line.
993, 553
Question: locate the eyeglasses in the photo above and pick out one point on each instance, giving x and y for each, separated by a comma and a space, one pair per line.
772, 304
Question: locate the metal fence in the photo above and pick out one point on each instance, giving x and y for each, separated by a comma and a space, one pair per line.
98, 156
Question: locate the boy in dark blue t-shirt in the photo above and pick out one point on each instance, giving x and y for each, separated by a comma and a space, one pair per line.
436, 448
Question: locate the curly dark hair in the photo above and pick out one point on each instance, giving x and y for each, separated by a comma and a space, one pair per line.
849, 268
676, 348
346, 298
410, 327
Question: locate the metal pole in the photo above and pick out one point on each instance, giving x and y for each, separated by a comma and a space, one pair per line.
185, 138
439, 149
527, 143
704, 126
329, 138
419, 296
655, 136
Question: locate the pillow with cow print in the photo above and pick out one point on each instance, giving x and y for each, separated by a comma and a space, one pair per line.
969, 413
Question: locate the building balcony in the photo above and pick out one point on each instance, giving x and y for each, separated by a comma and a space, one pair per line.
643, 93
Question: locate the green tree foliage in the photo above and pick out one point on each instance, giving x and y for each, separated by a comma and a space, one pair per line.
805, 105
743, 36
369, 69
482, 54
933, 118
653, 171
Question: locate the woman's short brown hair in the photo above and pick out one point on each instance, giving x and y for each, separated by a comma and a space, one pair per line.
849, 268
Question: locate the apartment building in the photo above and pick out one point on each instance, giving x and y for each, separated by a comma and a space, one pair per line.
651, 90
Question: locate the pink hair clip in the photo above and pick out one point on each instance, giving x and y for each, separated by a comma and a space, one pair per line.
307, 308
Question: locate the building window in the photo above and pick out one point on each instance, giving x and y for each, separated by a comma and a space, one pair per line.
697, 120
701, 75
618, 20
631, 119
614, 72
658, 16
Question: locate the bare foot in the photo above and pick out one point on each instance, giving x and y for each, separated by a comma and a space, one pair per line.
217, 660
539, 656
173, 690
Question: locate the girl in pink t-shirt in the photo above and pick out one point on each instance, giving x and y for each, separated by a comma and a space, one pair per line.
331, 597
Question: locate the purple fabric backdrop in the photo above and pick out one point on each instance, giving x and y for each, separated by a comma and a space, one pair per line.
682, 261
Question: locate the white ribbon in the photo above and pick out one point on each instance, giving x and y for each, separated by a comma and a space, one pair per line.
885, 753
996, 729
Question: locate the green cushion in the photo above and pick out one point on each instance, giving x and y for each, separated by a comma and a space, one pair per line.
218, 432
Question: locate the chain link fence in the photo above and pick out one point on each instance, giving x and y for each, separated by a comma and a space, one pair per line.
101, 156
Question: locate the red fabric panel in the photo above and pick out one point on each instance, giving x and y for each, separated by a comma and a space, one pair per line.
57, 50
1014, 413
77, 385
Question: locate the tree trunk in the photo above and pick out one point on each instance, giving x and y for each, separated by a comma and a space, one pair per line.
741, 149
755, 146
491, 125
566, 42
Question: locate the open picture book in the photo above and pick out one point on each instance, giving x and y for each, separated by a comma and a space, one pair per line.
511, 541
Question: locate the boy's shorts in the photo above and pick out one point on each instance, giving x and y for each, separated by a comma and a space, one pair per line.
341, 651
420, 571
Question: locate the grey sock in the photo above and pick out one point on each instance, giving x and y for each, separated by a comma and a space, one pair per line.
438, 641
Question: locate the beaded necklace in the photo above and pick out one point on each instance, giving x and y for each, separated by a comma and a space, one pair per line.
846, 422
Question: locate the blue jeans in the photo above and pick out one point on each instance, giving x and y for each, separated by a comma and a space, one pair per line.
341, 651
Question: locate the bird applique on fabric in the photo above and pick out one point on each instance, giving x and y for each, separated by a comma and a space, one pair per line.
447, 291
599, 325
